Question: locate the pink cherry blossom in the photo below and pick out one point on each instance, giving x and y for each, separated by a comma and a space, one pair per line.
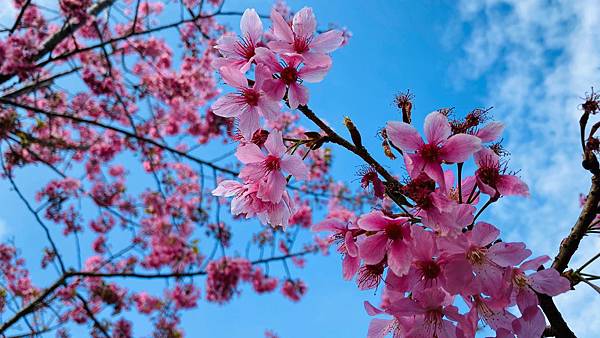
246, 202
391, 236
491, 178
267, 170
343, 234
477, 251
249, 103
238, 53
300, 38
290, 75
440, 147
433, 310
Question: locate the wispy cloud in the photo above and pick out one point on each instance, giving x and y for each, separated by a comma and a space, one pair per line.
538, 58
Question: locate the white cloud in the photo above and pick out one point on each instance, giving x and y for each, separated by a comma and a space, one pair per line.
538, 59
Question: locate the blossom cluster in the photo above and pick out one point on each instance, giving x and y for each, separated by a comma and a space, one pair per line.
432, 253
437, 252
281, 60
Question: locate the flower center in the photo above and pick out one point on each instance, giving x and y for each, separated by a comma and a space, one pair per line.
519, 279
476, 255
393, 231
245, 48
489, 175
429, 269
272, 163
289, 75
302, 44
251, 96
430, 152
420, 189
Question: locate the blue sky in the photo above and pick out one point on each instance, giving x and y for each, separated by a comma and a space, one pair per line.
532, 60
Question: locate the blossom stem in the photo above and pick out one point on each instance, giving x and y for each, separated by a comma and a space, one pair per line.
459, 170
590, 261
362, 152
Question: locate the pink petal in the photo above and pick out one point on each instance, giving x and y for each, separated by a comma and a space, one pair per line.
272, 190
531, 325
281, 29
535, 263
304, 23
351, 246
512, 185
228, 105
460, 147
295, 166
227, 45
233, 77
484, 234
269, 108
404, 136
374, 221
330, 224
227, 188
399, 258
313, 74
490, 132
267, 58
486, 157
437, 128
434, 170
507, 254
280, 47
486, 189
372, 249
251, 25
274, 143
379, 328
424, 244
406, 307
261, 74
249, 122
350, 266
249, 153
312, 59
549, 282
371, 309
274, 88
297, 95
458, 274
327, 42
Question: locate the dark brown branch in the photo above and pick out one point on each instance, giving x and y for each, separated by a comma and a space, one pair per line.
146, 140
570, 244
392, 183
38, 302
90, 314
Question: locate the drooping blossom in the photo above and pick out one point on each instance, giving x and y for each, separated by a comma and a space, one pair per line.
491, 178
343, 233
246, 202
267, 170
